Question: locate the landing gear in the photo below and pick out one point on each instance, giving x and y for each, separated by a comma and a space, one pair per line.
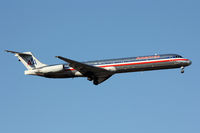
182, 70
95, 82
90, 78
94, 79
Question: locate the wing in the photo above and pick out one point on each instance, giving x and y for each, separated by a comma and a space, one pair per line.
97, 74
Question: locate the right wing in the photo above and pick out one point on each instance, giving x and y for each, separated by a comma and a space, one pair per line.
96, 73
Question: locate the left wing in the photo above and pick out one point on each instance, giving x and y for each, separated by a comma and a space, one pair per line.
97, 74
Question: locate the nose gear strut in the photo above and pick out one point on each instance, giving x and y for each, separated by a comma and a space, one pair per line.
182, 69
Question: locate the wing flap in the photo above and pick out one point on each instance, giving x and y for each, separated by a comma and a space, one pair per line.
102, 79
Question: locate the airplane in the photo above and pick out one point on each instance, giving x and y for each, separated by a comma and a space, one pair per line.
100, 70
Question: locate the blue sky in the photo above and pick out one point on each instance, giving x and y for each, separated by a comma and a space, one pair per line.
156, 101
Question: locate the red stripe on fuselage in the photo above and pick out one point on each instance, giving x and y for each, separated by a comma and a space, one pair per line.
136, 63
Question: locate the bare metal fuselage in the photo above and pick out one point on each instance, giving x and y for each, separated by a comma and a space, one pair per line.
101, 70
124, 65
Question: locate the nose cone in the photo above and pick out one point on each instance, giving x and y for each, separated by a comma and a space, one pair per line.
189, 62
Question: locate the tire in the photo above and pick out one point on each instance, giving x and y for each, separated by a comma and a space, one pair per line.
95, 82
182, 71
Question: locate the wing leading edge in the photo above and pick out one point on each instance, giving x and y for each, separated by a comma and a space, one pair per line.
97, 74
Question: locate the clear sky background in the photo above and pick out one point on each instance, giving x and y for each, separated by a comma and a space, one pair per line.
157, 101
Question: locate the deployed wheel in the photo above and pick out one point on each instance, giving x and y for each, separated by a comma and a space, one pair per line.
182, 70
95, 82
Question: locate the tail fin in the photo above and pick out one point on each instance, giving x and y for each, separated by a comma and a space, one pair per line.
28, 59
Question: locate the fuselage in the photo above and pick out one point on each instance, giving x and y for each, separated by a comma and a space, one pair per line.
100, 70
121, 65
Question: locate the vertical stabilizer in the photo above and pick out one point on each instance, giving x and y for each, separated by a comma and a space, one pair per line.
28, 59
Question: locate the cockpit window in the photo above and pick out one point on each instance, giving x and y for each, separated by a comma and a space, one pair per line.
178, 56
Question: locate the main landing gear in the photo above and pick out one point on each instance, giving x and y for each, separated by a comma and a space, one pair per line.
95, 80
182, 69
90, 78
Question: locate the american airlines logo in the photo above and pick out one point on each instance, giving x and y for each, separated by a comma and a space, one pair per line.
31, 62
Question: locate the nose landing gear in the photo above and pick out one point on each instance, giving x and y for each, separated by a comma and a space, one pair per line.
182, 69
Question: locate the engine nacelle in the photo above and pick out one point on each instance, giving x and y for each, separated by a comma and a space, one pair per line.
31, 72
52, 69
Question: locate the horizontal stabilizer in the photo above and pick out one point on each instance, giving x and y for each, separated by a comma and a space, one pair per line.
13, 52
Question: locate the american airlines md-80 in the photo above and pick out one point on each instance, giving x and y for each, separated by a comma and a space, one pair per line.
100, 70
